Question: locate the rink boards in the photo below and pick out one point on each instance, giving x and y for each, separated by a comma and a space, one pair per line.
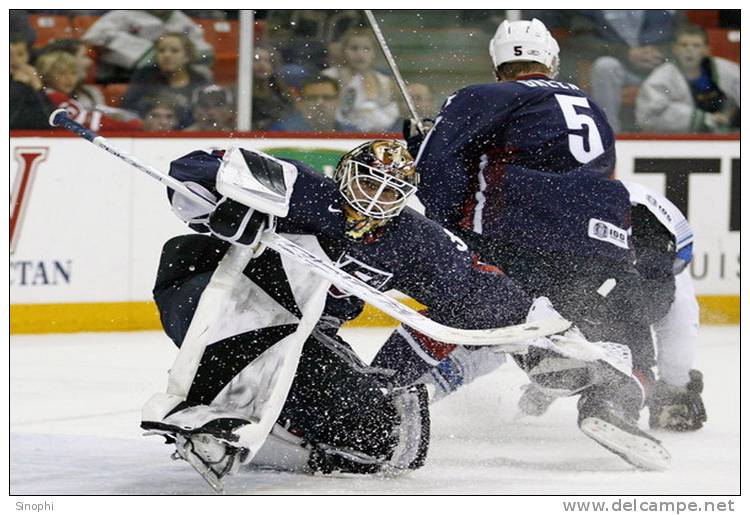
87, 229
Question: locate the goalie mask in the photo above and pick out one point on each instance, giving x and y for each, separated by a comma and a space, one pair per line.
377, 178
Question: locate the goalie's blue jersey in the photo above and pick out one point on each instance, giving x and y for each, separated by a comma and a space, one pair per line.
525, 161
410, 253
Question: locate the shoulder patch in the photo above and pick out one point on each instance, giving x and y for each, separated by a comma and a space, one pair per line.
605, 231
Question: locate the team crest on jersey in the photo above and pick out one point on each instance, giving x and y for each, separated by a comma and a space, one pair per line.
28, 159
610, 233
362, 271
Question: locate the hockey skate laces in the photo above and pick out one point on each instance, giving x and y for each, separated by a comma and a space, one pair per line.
360, 180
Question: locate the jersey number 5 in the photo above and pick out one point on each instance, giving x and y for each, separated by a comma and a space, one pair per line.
575, 120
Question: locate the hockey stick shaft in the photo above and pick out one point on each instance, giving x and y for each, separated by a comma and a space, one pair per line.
507, 336
60, 118
394, 69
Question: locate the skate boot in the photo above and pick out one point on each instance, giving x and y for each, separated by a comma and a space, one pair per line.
213, 449
609, 416
209, 456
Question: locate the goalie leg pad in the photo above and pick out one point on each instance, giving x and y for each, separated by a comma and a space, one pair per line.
409, 441
349, 414
413, 429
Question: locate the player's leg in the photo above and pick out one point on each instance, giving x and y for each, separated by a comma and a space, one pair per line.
410, 354
609, 409
413, 358
349, 416
610, 401
676, 402
218, 421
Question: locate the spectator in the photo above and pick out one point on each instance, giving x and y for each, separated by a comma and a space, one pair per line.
272, 99
171, 73
29, 106
309, 39
298, 34
162, 113
126, 40
213, 110
315, 110
59, 74
696, 93
339, 23
624, 46
20, 27
366, 94
424, 103
88, 95
423, 100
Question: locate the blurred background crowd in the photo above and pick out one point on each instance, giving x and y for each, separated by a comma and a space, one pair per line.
321, 71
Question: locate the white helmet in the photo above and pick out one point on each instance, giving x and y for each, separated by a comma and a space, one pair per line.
525, 41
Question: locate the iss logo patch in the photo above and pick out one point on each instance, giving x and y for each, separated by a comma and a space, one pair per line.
605, 231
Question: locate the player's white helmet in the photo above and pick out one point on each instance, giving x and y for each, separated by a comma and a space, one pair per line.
377, 178
525, 41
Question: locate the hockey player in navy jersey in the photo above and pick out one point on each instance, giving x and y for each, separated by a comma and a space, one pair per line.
340, 414
663, 242
520, 170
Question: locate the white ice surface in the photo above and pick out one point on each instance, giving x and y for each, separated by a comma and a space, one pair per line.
75, 408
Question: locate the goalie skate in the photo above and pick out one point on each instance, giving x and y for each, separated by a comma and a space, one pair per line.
210, 457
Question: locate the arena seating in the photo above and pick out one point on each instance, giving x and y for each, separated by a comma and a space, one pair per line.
725, 43
224, 37
82, 23
113, 94
49, 27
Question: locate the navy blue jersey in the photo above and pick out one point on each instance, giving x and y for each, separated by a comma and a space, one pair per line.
526, 161
410, 253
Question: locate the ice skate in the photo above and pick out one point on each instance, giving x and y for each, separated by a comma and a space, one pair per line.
615, 428
209, 456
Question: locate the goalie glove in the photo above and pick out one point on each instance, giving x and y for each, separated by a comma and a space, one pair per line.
678, 408
239, 224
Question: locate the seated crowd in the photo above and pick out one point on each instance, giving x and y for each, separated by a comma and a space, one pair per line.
318, 71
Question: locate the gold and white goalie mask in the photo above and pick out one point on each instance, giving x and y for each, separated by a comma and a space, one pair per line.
377, 178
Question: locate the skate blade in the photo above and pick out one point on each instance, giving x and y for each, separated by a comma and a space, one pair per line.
639, 451
213, 480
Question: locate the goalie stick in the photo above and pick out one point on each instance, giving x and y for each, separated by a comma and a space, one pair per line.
511, 338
